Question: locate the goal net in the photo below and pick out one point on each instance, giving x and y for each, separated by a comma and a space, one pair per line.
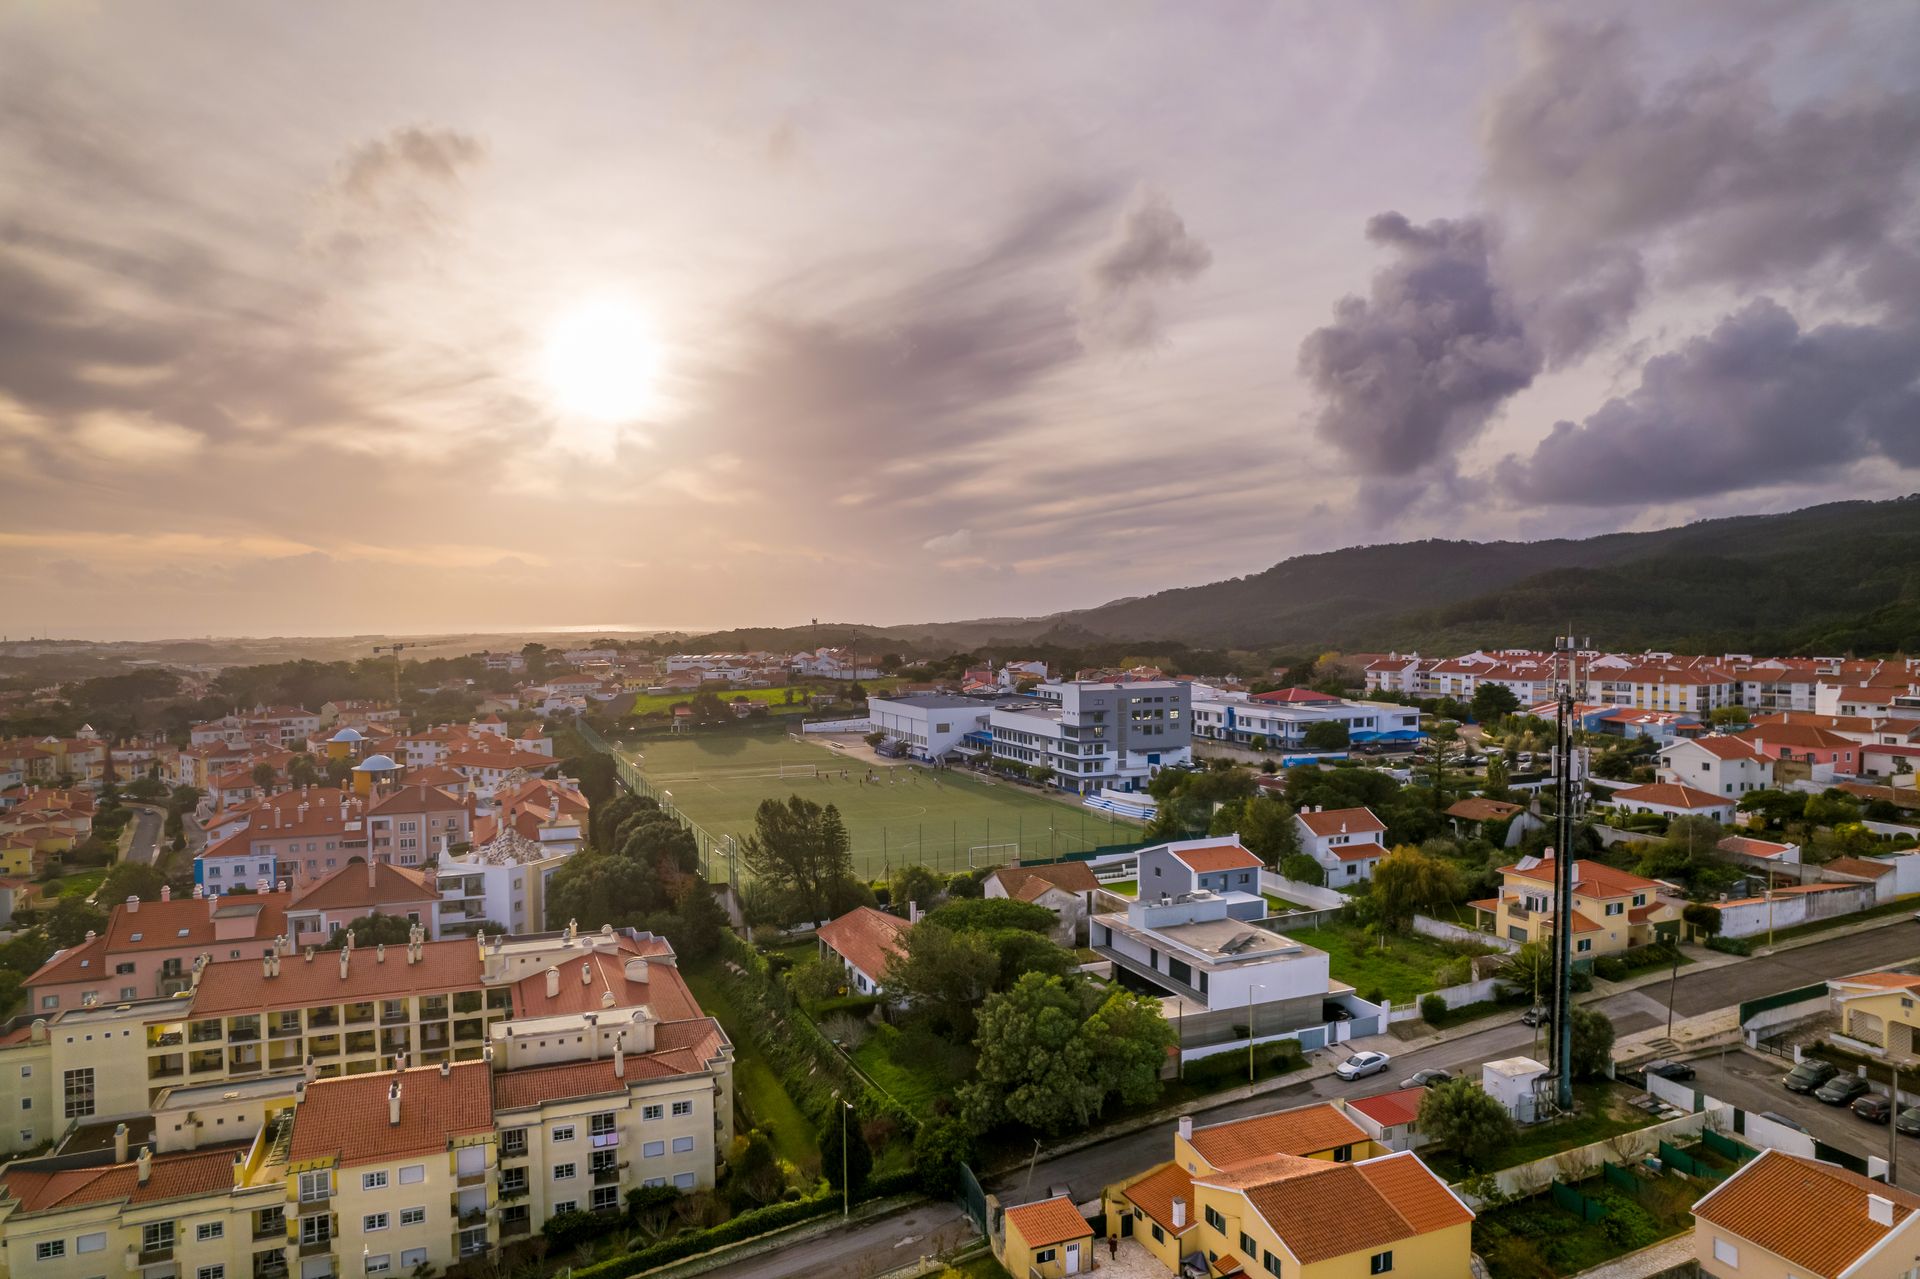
799, 770
993, 854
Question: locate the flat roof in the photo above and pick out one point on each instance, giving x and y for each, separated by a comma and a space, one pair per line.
1217, 941
938, 702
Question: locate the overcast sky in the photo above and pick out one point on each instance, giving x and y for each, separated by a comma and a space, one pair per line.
350, 317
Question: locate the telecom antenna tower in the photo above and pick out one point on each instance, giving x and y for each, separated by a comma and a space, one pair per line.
1569, 764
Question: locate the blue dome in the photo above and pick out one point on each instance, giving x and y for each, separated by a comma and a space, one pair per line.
376, 764
348, 735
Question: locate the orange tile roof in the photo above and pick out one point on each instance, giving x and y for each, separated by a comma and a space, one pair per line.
1590, 878
347, 1117
1672, 795
1334, 1210
1217, 857
186, 1174
1419, 1196
348, 889
1862, 866
1154, 1194
866, 938
1887, 981
1304, 1130
1390, 1109
1802, 735
1336, 821
1725, 747
1228, 1264
1049, 1222
1478, 808
237, 985
418, 797
665, 990
1813, 1214
1752, 847
1028, 882
1357, 852
518, 1089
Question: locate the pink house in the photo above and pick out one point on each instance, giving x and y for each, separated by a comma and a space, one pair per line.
1806, 744
149, 948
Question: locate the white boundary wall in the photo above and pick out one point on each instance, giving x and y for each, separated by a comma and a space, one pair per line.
1306, 894
1444, 931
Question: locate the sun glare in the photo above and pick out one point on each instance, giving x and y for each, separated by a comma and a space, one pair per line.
601, 361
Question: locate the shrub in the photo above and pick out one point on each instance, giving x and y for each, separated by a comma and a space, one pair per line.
1610, 968
1222, 1069
568, 1229
1627, 1224
1730, 945
1433, 1008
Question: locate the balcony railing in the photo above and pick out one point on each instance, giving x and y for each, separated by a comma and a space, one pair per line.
514, 1190
473, 1217
476, 1178
154, 1256
519, 1226
606, 1176
316, 1247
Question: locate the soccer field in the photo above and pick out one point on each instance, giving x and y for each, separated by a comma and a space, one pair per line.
948, 821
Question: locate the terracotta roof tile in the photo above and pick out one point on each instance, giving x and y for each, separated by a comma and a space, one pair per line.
1049, 1222
1670, 795
1154, 1194
1478, 808
866, 938
665, 990
1813, 1214
1391, 1109
1304, 1130
1336, 821
348, 889
181, 1175
1357, 852
236, 985
347, 1118
1334, 1210
1217, 857
1072, 877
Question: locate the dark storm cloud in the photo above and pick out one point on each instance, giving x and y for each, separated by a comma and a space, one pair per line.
1415, 370
1757, 401
1149, 251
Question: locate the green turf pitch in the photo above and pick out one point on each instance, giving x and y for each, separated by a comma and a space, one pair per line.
959, 821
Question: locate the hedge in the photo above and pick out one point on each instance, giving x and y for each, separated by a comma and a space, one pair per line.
746, 1226
1730, 945
1222, 1069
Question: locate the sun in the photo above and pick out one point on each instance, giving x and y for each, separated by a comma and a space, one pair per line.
602, 361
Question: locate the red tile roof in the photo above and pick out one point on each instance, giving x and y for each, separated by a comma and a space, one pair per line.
1590, 878
348, 889
1217, 857
1303, 1130
866, 938
186, 1174
1339, 821
1049, 1222
535, 1085
1813, 1214
1477, 808
238, 986
1327, 1210
664, 990
1390, 1109
1670, 795
1029, 882
1862, 866
1154, 1194
1357, 852
1728, 748
347, 1117
1752, 847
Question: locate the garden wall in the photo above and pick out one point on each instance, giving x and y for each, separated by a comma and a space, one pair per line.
1306, 894
1441, 929
838, 726
1584, 1161
1750, 918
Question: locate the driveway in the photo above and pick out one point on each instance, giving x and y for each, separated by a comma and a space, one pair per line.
147, 825
1752, 1082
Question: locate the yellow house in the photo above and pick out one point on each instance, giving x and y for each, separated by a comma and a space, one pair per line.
1613, 911
1299, 1218
1045, 1240
1784, 1216
1156, 1207
1879, 1009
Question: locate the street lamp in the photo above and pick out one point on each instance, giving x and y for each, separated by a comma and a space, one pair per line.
846, 1191
1250, 989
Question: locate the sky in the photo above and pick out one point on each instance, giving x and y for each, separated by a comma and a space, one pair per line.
333, 319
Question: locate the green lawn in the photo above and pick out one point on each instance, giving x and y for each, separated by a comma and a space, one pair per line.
915, 1068
759, 1098
79, 884
776, 698
1402, 971
950, 824
1601, 1110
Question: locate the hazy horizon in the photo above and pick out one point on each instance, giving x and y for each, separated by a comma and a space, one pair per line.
896, 314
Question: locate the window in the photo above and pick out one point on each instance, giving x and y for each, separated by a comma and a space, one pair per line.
653, 1149
683, 1180
413, 1216
413, 1257
95, 1242
1380, 1263
374, 1221
48, 1249
373, 1181
566, 1205
682, 1145
1216, 1219
209, 1230
378, 1263
315, 1185
77, 1092
413, 1174
1159, 1235
1584, 944
603, 1198
1616, 908
600, 1129
561, 1172
682, 1108
563, 1132
1248, 1246
1726, 1253
651, 1112
1045, 1255
211, 1272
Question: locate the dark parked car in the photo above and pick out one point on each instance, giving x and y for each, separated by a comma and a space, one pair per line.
1840, 1090
1908, 1121
1783, 1121
1809, 1075
1874, 1108
1538, 1015
1678, 1071
1426, 1078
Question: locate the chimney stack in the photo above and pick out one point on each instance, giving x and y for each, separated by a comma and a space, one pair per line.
446, 1069
346, 953
393, 1104
133, 905
1880, 1210
372, 876
120, 1144
553, 982
619, 1056
1186, 1127
1179, 1213
192, 1129
586, 973
380, 953
145, 1164
166, 892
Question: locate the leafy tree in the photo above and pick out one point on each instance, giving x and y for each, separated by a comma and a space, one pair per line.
1592, 1042
843, 1135
939, 1148
1492, 702
1832, 807
1529, 969
184, 799
148, 790
1777, 807
302, 770
1043, 775
71, 919
263, 775
598, 778
1131, 1038
131, 879
694, 928
984, 913
1728, 717
598, 888
802, 848
1327, 735
1267, 829
339, 771
915, 883
1302, 869
661, 842
1023, 952
752, 1171
1407, 881
1702, 918
372, 930
946, 974
603, 820
1051, 1051
1462, 1117
709, 709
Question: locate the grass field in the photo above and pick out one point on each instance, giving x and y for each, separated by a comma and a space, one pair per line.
1403, 970
773, 697
759, 1096
948, 824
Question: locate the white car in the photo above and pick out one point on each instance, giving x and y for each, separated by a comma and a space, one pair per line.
1360, 1065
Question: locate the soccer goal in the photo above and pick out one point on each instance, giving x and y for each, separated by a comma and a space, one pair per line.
799, 770
993, 854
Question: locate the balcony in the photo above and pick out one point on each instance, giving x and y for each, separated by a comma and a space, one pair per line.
514, 1149
514, 1189
244, 1034
473, 1217
607, 1176
518, 1226
273, 1266
604, 1140
390, 1017
166, 1039
284, 1030
154, 1256
475, 1178
273, 1228
324, 1019
316, 1247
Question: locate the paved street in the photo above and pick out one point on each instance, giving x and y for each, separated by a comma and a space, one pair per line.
147, 825
1753, 1083
889, 1242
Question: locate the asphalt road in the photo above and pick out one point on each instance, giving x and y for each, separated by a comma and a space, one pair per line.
147, 824
1753, 1083
880, 1245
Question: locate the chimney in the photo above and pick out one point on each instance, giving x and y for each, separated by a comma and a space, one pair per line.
372, 876
586, 973
266, 964
1880, 1210
1179, 1213
38, 1032
166, 892
133, 905
553, 982
619, 1056
380, 953
191, 1127
309, 954
1186, 1127
346, 953
311, 1070
146, 1164
120, 1144
199, 891
393, 1104
913, 912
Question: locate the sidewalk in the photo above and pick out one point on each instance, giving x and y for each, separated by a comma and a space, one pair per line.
1657, 1259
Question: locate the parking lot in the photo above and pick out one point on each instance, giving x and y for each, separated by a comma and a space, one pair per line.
1753, 1083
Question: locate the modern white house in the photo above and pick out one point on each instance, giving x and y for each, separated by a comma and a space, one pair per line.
1718, 764
1671, 799
934, 725
1279, 721
1098, 735
1345, 841
1218, 864
1188, 946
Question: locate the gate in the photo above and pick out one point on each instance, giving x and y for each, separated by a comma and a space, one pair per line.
973, 1199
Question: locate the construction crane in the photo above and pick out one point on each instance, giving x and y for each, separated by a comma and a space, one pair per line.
396, 649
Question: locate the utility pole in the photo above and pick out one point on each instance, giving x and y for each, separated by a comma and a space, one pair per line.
396, 650
1567, 655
